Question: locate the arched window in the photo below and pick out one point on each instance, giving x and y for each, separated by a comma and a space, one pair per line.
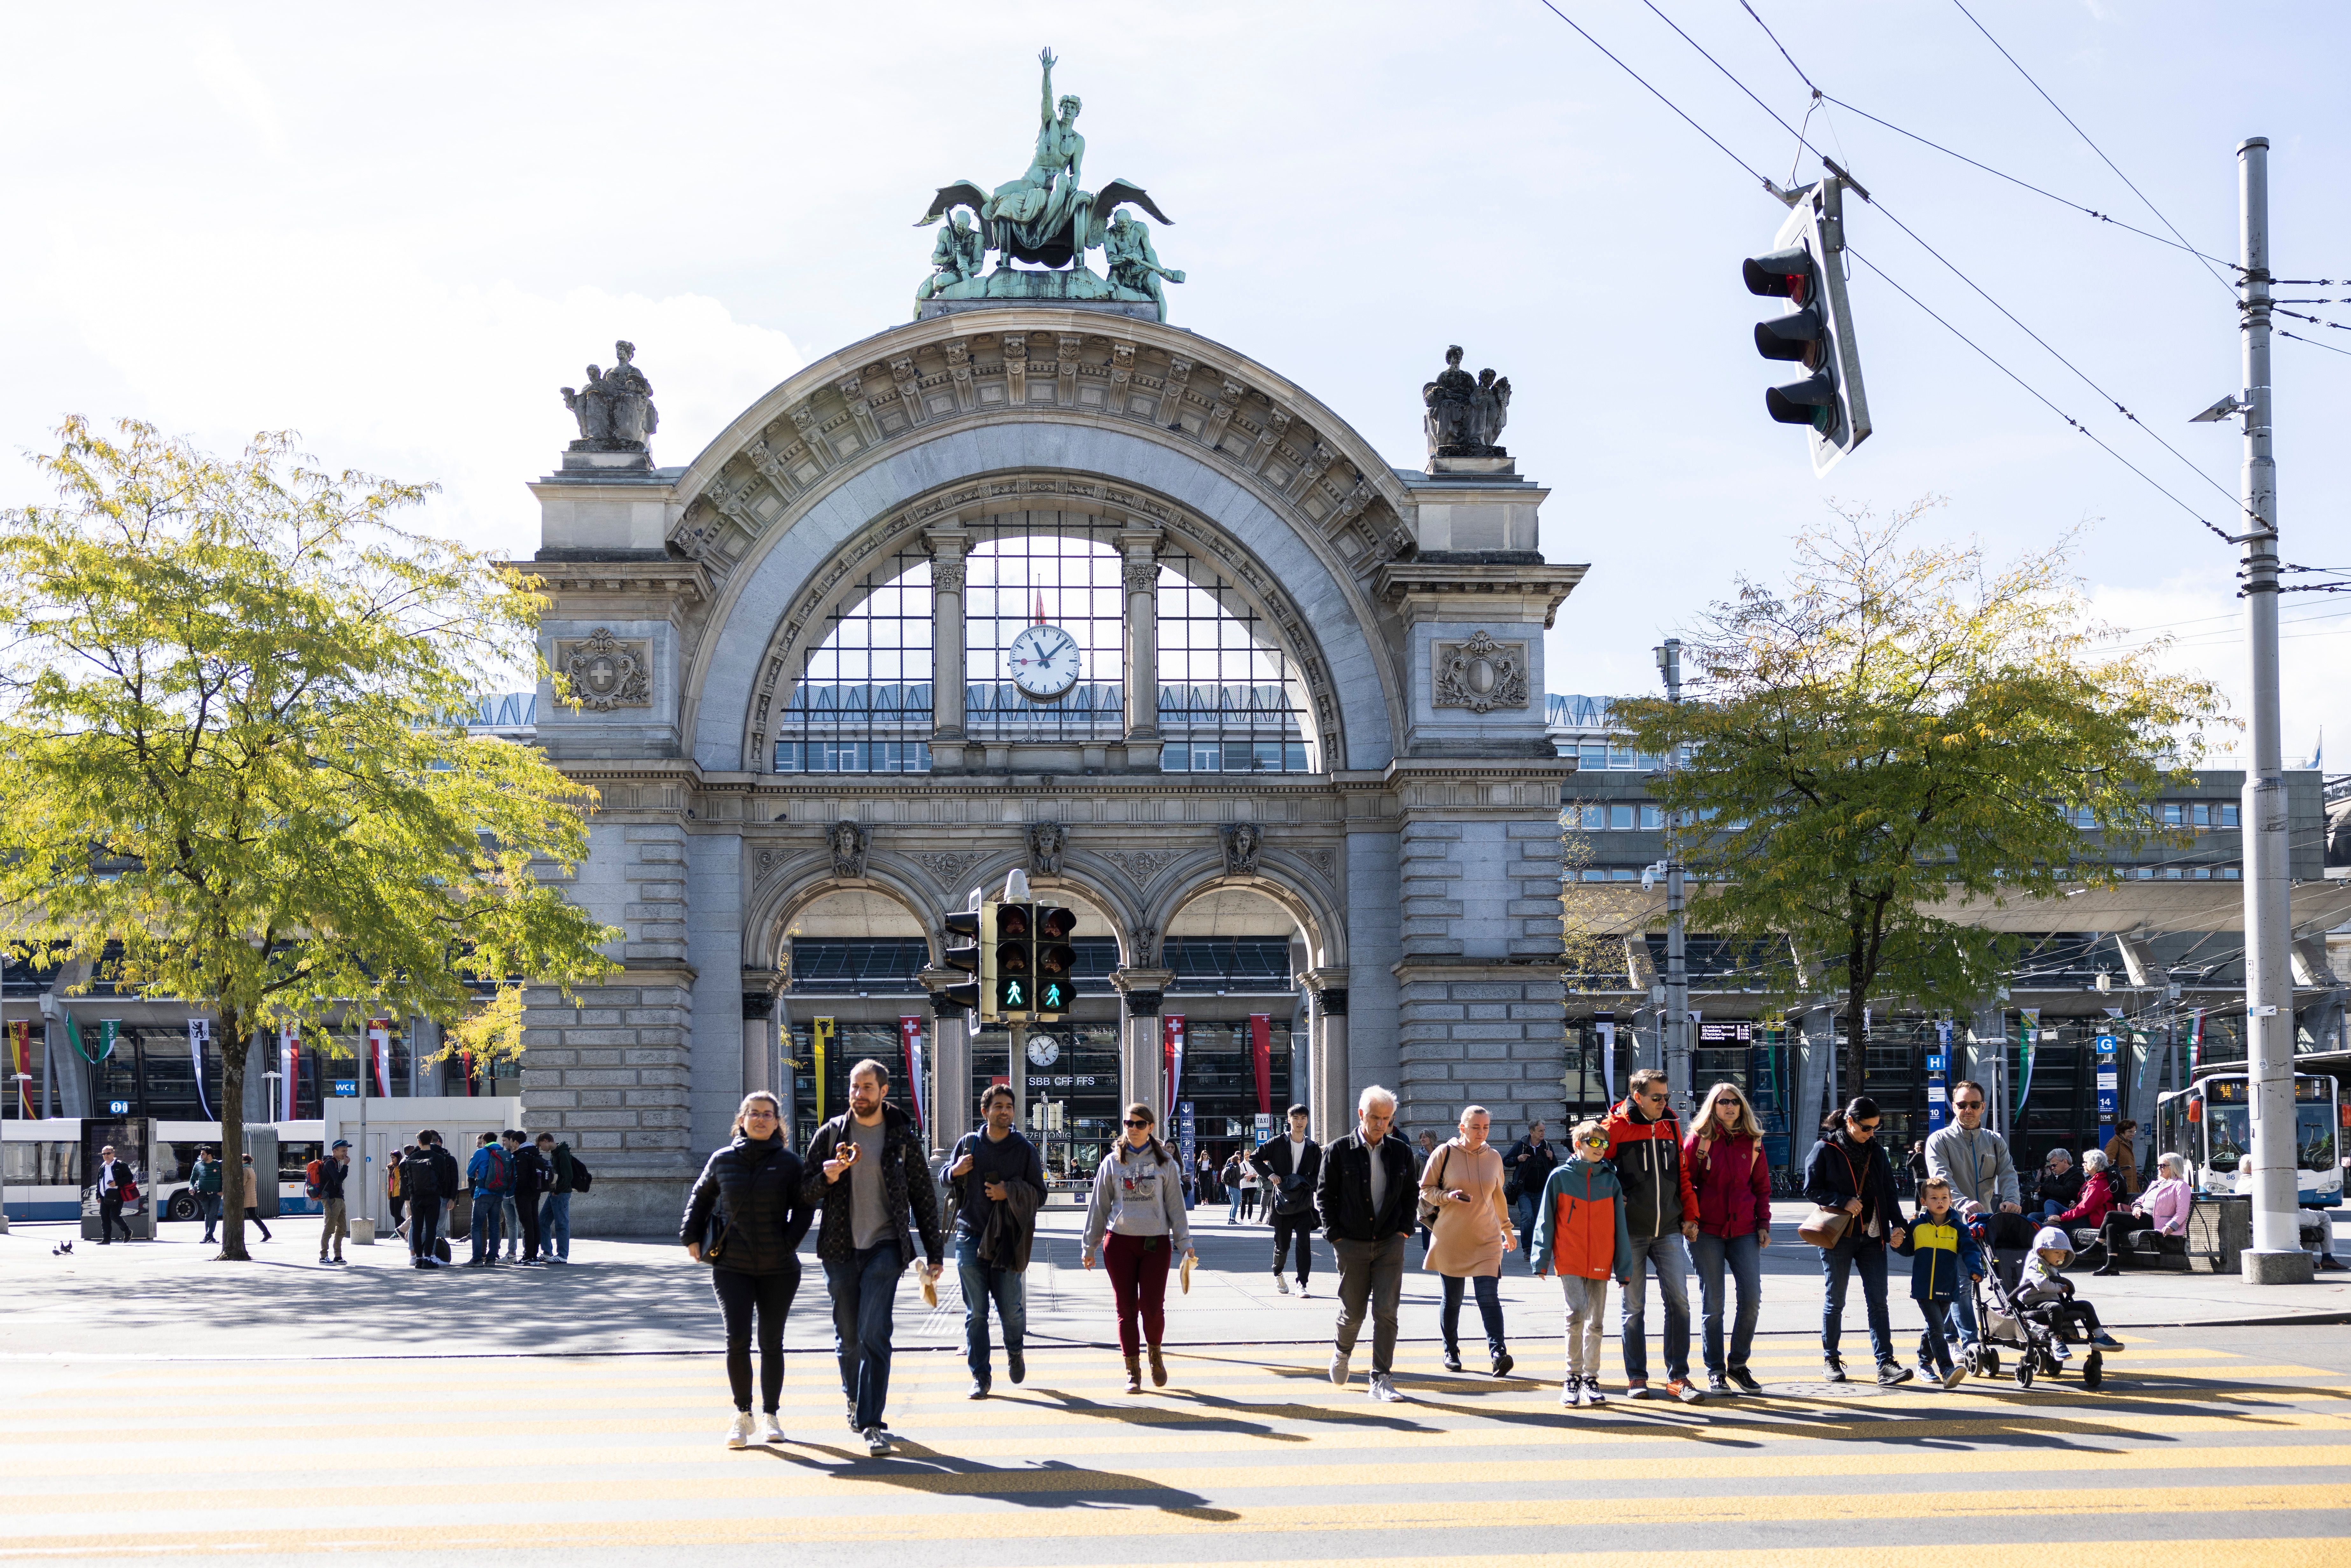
1016, 575
1229, 699
862, 704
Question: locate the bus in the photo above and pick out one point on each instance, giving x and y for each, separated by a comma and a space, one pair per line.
2211, 1125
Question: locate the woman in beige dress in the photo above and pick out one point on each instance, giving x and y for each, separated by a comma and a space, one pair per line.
1464, 1180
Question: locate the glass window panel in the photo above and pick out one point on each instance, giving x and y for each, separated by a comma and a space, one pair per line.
1591, 754
2228, 816
1620, 818
1224, 677
1652, 817
1595, 817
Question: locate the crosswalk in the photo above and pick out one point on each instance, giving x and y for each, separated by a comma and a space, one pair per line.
2190, 1453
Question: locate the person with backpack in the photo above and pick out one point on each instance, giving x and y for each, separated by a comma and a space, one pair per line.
530, 1179
489, 1176
995, 1182
327, 1186
1644, 1145
426, 1172
1725, 1155
745, 1218
555, 1209
1580, 1235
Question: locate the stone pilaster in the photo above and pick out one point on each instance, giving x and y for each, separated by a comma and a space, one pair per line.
1140, 549
609, 1071
1327, 1093
1142, 1071
947, 548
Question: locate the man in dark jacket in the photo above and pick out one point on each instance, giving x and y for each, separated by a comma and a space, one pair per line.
1369, 1202
1526, 1165
531, 1178
1661, 1212
555, 1209
866, 1168
431, 1182
107, 1184
998, 1173
333, 1172
205, 1181
1291, 1168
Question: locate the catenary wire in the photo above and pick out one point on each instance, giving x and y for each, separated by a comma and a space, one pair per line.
2094, 146
1971, 283
1760, 178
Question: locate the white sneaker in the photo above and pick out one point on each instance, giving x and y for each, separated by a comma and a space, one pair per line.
877, 1441
771, 1428
738, 1436
1302, 1291
1384, 1391
1281, 1284
1339, 1367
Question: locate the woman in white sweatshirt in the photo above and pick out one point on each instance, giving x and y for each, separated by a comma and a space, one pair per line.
1138, 1205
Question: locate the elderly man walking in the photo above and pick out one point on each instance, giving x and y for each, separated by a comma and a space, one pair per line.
1367, 1200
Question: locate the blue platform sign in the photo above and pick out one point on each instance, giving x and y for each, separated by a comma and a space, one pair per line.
1938, 1080
2109, 1088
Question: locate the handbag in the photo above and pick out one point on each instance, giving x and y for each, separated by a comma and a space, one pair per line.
1431, 1207
1824, 1228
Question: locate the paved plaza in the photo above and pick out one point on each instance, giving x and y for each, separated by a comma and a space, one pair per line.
161, 1404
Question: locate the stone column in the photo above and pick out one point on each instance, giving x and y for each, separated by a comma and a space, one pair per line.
759, 1055
951, 1100
1140, 548
948, 666
1142, 1075
1330, 1094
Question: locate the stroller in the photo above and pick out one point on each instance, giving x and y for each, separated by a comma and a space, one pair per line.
2040, 1333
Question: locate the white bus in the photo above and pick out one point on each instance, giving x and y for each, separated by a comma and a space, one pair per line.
2210, 1123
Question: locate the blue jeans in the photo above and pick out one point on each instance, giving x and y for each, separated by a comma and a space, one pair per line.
208, 1206
1522, 1216
1961, 1319
1488, 1288
1934, 1349
983, 1281
865, 1289
513, 1221
1744, 1257
1670, 1254
1232, 1206
1837, 1264
486, 1225
555, 1225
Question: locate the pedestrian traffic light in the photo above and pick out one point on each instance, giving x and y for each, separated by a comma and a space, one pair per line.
1016, 960
1807, 269
965, 951
1057, 961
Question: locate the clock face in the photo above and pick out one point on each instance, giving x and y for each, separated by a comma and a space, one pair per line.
1043, 1051
1044, 662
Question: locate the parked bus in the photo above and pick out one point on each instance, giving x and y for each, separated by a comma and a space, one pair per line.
42, 1160
2210, 1122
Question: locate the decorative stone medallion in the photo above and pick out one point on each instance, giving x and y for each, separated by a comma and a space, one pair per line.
1479, 675
607, 672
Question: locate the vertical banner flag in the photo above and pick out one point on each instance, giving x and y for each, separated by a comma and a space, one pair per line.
1261, 1059
378, 1062
200, 1035
2196, 1045
1607, 1062
20, 1056
820, 1040
289, 1068
1173, 1038
910, 1034
1938, 1079
2031, 1039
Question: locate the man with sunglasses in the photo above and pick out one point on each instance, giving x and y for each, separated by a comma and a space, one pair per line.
1976, 1161
1644, 1143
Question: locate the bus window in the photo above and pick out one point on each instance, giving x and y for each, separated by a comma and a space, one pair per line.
2313, 1137
2227, 1134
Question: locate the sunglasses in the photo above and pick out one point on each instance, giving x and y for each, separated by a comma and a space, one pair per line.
1968, 1105
1653, 1099
1600, 1142
1137, 1121
1866, 1126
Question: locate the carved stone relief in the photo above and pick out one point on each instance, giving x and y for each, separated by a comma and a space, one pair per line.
1046, 841
849, 843
950, 868
1480, 674
606, 672
1244, 841
1142, 865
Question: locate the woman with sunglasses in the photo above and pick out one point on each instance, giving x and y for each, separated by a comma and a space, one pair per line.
745, 1217
1464, 1182
1134, 1222
1848, 1172
1727, 1167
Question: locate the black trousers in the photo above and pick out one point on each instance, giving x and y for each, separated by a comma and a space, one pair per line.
526, 1215
252, 1217
424, 1226
1299, 1226
110, 1215
739, 1297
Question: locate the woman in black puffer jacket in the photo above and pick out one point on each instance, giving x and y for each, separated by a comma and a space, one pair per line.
746, 1218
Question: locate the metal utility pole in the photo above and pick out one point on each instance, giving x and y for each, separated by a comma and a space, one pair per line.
1676, 1033
2276, 1256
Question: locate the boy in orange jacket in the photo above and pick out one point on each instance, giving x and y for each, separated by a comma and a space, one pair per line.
1580, 1236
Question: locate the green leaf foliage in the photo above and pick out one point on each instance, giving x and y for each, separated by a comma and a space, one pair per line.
1899, 732
230, 698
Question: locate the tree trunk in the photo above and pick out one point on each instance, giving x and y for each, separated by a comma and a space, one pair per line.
1851, 1074
233, 1047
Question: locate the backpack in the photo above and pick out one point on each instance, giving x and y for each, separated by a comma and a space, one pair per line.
579, 1177
418, 1180
499, 1175
310, 1179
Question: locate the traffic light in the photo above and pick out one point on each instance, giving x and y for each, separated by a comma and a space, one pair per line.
1807, 269
1057, 961
965, 951
1015, 978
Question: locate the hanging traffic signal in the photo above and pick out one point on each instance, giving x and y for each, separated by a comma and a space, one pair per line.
1016, 960
1807, 270
965, 951
1057, 960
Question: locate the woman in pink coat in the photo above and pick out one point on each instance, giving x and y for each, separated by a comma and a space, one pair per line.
1464, 1180
2162, 1208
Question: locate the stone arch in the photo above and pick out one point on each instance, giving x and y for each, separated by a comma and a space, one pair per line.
796, 485
791, 883
1284, 879
839, 586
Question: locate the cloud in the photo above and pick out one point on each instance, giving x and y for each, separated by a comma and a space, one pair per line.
234, 87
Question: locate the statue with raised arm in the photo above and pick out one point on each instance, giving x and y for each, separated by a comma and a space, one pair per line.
1126, 246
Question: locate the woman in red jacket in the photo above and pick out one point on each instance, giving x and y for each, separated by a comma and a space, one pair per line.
1724, 1156
2097, 1194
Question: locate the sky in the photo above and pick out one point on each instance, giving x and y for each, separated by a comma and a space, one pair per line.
398, 231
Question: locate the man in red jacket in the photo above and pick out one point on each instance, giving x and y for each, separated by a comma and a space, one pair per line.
1644, 1144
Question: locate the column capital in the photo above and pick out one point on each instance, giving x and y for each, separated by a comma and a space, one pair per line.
947, 543
1141, 988
1329, 988
1140, 543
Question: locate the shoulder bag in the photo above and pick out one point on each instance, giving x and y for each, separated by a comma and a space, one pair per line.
1431, 1207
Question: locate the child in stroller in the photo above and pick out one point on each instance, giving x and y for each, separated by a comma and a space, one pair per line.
2044, 1315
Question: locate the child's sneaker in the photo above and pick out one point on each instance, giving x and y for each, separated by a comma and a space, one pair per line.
1592, 1394
1953, 1376
1571, 1391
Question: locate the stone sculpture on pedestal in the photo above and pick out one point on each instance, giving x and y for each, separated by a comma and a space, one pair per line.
615, 411
1465, 414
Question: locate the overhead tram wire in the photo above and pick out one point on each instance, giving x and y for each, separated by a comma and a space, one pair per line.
2094, 146
1762, 179
1938, 256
